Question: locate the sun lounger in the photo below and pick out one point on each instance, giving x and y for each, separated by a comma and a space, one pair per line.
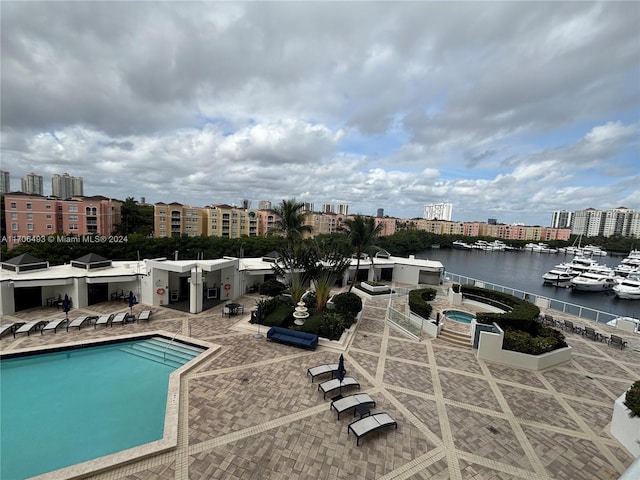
10, 327
78, 322
331, 368
352, 401
370, 424
335, 384
53, 325
29, 327
103, 320
120, 318
144, 315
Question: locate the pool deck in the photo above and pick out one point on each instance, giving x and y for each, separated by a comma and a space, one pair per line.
250, 412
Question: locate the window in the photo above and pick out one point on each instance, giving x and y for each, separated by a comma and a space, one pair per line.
29, 216
14, 216
14, 226
14, 205
48, 217
30, 227
48, 206
49, 227
73, 226
73, 218
73, 208
28, 206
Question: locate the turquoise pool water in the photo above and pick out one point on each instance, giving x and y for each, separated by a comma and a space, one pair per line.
59, 409
458, 316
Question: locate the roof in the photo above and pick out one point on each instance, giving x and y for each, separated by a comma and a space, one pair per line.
24, 259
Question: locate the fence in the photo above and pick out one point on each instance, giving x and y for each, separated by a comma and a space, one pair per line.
557, 305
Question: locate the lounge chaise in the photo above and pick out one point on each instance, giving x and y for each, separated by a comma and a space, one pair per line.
53, 325
144, 315
29, 327
331, 368
78, 322
351, 401
370, 424
335, 384
103, 320
120, 318
10, 327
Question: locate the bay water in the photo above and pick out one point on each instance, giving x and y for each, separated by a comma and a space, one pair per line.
523, 270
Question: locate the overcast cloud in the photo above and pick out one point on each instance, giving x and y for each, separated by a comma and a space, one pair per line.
506, 109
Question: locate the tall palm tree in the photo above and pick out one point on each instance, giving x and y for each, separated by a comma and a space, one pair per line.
362, 234
290, 221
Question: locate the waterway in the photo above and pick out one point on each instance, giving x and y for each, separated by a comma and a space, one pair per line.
523, 270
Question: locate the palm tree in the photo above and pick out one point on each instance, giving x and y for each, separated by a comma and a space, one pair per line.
291, 220
330, 265
362, 234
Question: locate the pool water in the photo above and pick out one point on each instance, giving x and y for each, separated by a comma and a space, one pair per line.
459, 316
63, 408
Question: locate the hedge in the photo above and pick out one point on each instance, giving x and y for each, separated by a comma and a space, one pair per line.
418, 301
347, 303
632, 400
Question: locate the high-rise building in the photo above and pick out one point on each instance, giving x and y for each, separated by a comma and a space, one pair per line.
5, 184
307, 207
438, 211
343, 209
65, 186
32, 184
327, 208
380, 213
264, 205
561, 219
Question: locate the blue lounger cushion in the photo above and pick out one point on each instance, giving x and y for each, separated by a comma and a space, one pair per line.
293, 337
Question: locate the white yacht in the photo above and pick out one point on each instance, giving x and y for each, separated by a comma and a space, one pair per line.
593, 282
560, 275
461, 245
628, 288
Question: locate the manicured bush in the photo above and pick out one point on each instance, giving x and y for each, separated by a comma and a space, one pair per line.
348, 304
632, 400
418, 301
271, 288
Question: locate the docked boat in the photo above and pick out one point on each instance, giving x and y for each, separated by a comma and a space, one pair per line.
461, 245
593, 282
628, 288
560, 276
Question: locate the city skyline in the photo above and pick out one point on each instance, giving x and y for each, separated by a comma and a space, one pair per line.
372, 105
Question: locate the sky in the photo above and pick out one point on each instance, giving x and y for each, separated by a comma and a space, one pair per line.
507, 110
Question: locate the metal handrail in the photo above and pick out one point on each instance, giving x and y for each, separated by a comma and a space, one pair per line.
164, 353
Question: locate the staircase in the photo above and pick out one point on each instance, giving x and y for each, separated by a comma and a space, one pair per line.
163, 350
455, 338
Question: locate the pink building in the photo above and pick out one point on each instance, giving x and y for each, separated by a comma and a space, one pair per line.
388, 225
36, 217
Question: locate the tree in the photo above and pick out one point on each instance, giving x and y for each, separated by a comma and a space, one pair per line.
135, 218
297, 268
330, 265
362, 234
290, 222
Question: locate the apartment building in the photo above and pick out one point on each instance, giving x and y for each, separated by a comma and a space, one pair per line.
438, 211
65, 186
35, 216
33, 184
389, 225
5, 182
229, 221
176, 219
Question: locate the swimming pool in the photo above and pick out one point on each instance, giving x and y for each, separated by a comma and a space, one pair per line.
65, 407
459, 316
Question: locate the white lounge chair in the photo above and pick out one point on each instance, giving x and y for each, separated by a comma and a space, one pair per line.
144, 315
369, 424
335, 384
103, 320
9, 327
351, 401
53, 325
29, 327
120, 318
78, 322
331, 368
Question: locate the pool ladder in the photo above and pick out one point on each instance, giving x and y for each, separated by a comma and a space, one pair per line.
164, 353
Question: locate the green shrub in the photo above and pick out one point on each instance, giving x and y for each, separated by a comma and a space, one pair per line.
348, 304
418, 301
632, 400
271, 288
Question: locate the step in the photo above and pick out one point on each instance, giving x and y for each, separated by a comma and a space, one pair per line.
176, 348
161, 353
455, 338
176, 344
154, 358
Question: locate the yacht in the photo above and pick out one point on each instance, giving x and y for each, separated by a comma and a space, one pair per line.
593, 282
560, 275
461, 245
628, 288
582, 264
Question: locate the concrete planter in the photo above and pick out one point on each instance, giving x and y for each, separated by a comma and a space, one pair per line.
454, 298
375, 289
624, 428
490, 348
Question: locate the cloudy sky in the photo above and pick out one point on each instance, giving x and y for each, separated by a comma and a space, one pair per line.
506, 109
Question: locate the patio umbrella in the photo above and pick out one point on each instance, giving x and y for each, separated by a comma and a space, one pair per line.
341, 370
132, 301
66, 306
258, 319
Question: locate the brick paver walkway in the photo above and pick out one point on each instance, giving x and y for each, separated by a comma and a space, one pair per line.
252, 413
